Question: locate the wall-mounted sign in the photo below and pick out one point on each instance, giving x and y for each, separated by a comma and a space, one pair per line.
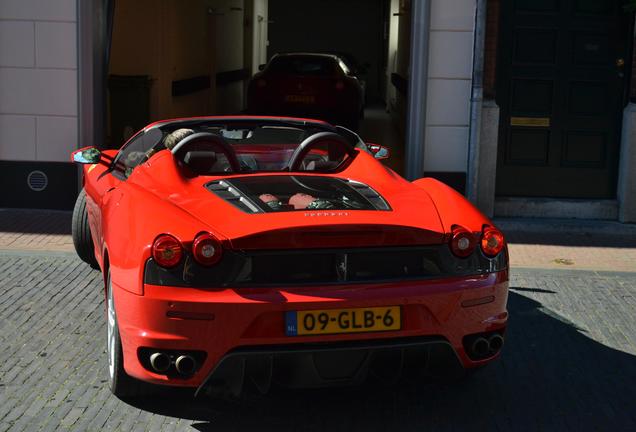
530, 121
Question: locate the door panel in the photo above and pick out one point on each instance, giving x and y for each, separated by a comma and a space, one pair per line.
561, 95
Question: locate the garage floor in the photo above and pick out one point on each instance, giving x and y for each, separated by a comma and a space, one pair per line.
379, 128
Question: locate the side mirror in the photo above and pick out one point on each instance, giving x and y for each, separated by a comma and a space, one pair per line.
86, 156
261, 67
379, 152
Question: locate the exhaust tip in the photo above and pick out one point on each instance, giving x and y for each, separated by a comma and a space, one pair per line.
160, 362
480, 347
496, 342
185, 365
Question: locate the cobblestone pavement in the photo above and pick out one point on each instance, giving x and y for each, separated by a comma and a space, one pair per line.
569, 364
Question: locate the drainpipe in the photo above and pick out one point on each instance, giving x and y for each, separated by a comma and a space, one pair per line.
476, 103
418, 86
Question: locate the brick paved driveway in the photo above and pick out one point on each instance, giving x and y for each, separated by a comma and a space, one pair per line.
569, 364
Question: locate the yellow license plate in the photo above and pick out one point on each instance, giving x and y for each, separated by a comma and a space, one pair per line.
334, 321
300, 99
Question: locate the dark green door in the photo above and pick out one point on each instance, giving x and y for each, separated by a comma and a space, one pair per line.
561, 93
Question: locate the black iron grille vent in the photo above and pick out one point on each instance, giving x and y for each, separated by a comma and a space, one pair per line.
229, 193
370, 194
37, 181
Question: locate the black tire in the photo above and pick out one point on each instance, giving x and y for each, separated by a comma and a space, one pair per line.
81, 231
121, 384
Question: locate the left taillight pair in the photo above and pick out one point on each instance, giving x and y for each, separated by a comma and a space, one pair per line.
168, 252
464, 242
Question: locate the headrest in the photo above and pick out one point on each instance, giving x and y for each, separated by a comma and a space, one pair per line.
200, 161
203, 150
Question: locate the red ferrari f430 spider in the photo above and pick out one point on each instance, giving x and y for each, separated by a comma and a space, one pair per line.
256, 251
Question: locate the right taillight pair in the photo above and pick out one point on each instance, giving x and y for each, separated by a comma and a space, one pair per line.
464, 242
168, 252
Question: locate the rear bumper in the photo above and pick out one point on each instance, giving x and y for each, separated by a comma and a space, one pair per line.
241, 323
332, 364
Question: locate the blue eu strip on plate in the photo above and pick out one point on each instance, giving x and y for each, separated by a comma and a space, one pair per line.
291, 327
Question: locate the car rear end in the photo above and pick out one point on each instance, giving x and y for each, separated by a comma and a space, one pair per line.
326, 303
306, 85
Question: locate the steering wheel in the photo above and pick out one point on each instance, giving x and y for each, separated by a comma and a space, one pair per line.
205, 141
303, 149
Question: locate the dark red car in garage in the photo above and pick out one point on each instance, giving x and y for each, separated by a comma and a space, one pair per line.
311, 85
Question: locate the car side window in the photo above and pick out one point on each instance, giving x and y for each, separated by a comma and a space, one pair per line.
136, 151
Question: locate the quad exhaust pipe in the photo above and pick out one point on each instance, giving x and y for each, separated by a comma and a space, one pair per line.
184, 364
495, 342
483, 347
160, 362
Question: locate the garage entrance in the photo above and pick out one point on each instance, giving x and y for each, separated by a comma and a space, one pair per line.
562, 94
177, 59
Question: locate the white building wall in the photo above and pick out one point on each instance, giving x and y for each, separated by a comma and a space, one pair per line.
392, 66
38, 80
449, 85
230, 18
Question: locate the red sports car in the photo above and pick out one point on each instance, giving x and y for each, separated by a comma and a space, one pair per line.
255, 251
316, 85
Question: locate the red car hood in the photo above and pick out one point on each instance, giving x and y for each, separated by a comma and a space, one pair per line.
412, 220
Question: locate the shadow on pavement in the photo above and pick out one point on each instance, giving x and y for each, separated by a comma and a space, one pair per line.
35, 221
568, 232
551, 377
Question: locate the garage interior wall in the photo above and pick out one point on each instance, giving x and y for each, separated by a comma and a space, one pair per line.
449, 90
260, 19
229, 37
400, 29
207, 48
392, 55
166, 41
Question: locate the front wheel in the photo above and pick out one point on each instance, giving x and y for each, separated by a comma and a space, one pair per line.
120, 383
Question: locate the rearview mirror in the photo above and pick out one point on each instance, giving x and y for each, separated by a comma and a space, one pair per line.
379, 152
86, 156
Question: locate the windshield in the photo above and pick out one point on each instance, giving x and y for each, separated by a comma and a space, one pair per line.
263, 146
302, 65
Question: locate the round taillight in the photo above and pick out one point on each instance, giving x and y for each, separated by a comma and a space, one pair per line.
492, 241
206, 249
462, 242
167, 251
